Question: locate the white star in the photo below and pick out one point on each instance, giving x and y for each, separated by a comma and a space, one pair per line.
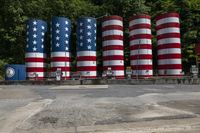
95, 31
34, 29
34, 42
34, 36
42, 46
42, 33
42, 40
66, 42
95, 38
95, 44
89, 40
34, 22
89, 33
34, 49
81, 30
51, 29
89, 20
81, 24
66, 48
27, 33
57, 31
57, 44
89, 47
89, 27
66, 22
27, 39
27, 26
27, 46
57, 38
81, 37
66, 29
66, 35
95, 25
57, 24
43, 27
81, 44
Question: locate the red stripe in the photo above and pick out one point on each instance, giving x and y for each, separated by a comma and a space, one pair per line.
166, 15
55, 59
141, 76
172, 75
119, 77
113, 47
35, 59
86, 58
33, 69
146, 56
53, 69
168, 25
87, 68
113, 17
171, 66
169, 56
140, 36
142, 67
140, 16
114, 57
113, 67
169, 45
168, 35
112, 27
139, 26
140, 46
112, 37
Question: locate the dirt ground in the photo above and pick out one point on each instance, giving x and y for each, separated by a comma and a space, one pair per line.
100, 109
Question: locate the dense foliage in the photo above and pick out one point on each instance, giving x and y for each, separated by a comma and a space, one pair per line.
14, 13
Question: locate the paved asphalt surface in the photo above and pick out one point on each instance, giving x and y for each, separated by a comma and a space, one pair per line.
100, 108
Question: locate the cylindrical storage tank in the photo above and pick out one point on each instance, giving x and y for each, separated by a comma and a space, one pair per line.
113, 48
141, 46
86, 47
169, 44
60, 46
15, 72
35, 53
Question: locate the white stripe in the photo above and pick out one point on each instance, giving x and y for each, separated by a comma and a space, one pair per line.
113, 42
60, 64
169, 61
35, 64
112, 22
86, 63
113, 52
139, 21
118, 73
142, 72
88, 73
34, 54
169, 40
65, 73
167, 20
140, 31
169, 51
86, 53
32, 75
113, 63
112, 32
170, 72
140, 41
60, 54
141, 52
168, 30
141, 62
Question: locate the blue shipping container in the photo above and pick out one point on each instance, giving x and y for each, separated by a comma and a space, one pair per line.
15, 72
